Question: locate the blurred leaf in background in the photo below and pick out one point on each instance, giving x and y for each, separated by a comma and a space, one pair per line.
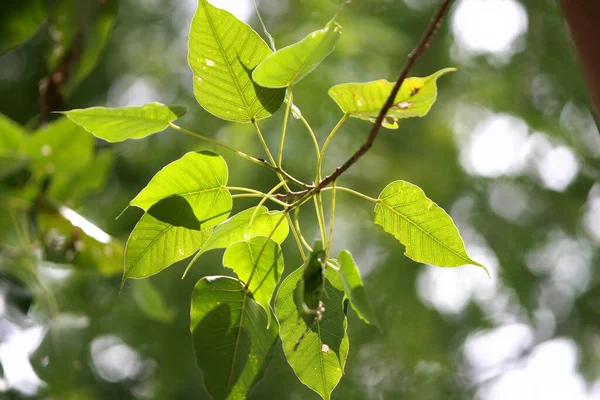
510, 150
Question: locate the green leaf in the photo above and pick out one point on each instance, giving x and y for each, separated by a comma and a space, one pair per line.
118, 124
259, 264
12, 136
95, 36
312, 283
315, 349
19, 20
223, 51
151, 301
291, 64
199, 179
70, 188
354, 288
365, 100
238, 228
232, 346
428, 233
154, 245
59, 147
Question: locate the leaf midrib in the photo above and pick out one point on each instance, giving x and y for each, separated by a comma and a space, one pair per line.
229, 67
112, 118
469, 261
183, 194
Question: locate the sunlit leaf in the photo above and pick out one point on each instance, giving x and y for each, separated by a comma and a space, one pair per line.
154, 245
151, 301
223, 51
232, 343
118, 124
238, 228
12, 136
259, 264
198, 179
424, 228
291, 64
19, 20
354, 288
315, 349
365, 100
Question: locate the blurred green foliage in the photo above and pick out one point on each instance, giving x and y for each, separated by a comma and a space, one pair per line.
541, 240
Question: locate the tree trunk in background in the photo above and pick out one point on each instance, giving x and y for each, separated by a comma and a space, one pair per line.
583, 17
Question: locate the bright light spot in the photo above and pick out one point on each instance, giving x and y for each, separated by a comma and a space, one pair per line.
114, 360
210, 63
46, 150
557, 168
86, 226
241, 9
549, 373
134, 91
496, 147
591, 218
450, 290
14, 356
580, 125
567, 261
488, 351
489, 26
508, 200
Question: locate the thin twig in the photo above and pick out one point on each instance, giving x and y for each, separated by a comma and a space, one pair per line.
412, 58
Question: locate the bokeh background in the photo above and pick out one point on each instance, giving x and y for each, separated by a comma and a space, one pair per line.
511, 150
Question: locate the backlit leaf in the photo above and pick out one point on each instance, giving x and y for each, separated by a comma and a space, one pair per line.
223, 51
238, 228
259, 264
291, 64
12, 136
315, 349
354, 288
232, 343
153, 245
118, 124
424, 228
365, 100
198, 179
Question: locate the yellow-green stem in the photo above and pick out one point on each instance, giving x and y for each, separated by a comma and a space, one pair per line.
326, 144
273, 190
295, 233
258, 193
354, 192
286, 116
331, 221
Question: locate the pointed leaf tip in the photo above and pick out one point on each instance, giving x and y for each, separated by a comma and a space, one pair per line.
118, 124
365, 100
424, 228
354, 288
291, 64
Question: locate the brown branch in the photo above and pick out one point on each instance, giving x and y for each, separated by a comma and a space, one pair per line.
412, 58
582, 17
